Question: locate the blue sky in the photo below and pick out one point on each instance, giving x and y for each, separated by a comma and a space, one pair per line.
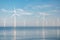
30, 11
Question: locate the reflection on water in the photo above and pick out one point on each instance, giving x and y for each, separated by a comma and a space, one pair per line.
29, 33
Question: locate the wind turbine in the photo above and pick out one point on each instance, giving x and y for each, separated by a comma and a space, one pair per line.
37, 20
43, 31
4, 22
25, 22
25, 18
14, 15
57, 28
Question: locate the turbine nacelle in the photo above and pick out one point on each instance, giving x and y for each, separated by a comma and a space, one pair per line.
15, 13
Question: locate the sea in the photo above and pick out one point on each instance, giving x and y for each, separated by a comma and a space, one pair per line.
30, 33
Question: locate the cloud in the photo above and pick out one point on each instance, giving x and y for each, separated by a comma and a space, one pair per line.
4, 10
20, 10
23, 12
27, 13
37, 6
55, 10
41, 6
43, 13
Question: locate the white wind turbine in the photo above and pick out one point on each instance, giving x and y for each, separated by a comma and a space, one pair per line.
43, 31
4, 22
25, 22
57, 28
26, 13
14, 15
37, 21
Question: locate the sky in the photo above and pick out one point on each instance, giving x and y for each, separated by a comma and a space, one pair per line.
32, 12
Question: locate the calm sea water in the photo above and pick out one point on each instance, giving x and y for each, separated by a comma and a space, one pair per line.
30, 33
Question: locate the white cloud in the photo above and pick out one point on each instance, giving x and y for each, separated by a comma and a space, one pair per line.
27, 13
4, 10
23, 12
55, 10
18, 11
43, 13
41, 6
